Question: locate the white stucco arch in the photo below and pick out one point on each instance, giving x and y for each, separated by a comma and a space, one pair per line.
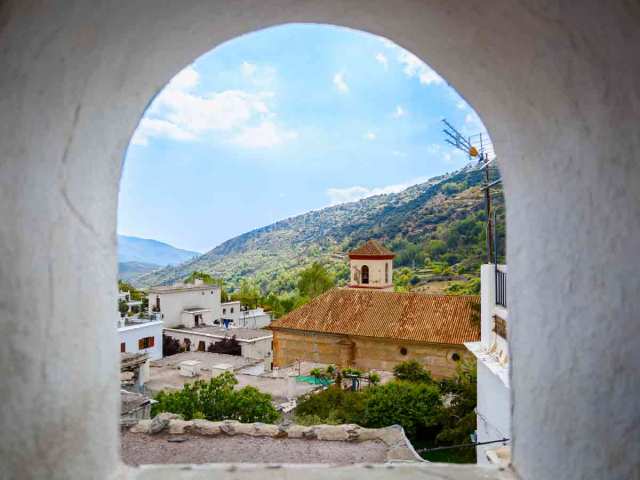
555, 82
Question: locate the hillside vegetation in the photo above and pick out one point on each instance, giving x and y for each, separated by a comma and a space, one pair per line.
436, 229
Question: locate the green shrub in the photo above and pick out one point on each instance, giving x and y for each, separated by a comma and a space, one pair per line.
458, 419
374, 378
412, 371
414, 406
218, 400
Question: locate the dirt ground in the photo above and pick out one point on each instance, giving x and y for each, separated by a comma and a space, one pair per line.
141, 449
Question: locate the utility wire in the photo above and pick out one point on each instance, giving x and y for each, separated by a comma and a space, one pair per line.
462, 445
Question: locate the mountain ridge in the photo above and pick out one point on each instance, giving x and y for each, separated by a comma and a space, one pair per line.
415, 215
149, 251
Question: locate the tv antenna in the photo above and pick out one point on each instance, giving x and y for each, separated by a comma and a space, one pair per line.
478, 146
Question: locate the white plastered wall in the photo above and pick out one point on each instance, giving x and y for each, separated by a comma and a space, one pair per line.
555, 82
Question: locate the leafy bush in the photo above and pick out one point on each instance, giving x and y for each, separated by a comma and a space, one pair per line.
414, 406
218, 400
412, 371
458, 418
123, 308
470, 287
228, 346
170, 346
374, 378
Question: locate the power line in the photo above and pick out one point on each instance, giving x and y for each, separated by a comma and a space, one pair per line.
462, 445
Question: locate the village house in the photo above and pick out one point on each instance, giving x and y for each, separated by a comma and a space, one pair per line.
492, 352
141, 335
189, 305
240, 316
375, 328
254, 343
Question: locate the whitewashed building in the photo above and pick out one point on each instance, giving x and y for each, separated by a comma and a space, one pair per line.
255, 344
492, 352
189, 305
141, 335
243, 317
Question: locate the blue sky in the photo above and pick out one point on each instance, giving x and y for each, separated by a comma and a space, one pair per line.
283, 121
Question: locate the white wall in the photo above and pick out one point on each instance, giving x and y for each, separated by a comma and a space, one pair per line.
172, 304
256, 349
232, 315
555, 82
376, 272
493, 411
131, 334
256, 318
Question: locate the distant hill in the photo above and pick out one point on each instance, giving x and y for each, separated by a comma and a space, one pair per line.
128, 271
151, 252
441, 219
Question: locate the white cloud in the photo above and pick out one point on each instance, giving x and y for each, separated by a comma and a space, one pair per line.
369, 136
388, 43
352, 194
265, 135
248, 69
178, 113
150, 127
398, 153
461, 104
186, 79
448, 155
382, 58
340, 83
261, 76
399, 112
414, 67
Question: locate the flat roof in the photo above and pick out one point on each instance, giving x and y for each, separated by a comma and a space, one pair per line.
196, 310
182, 287
221, 332
141, 449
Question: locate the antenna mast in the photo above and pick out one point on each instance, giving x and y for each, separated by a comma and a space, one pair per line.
478, 145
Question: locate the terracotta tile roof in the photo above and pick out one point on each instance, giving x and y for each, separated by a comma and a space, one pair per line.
374, 313
372, 248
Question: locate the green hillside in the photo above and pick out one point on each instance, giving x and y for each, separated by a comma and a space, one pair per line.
436, 229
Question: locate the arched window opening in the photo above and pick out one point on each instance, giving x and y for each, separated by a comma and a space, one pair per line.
365, 274
386, 273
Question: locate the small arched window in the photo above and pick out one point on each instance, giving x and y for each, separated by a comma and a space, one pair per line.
365, 274
386, 273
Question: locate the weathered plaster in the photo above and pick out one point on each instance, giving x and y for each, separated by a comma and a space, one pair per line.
557, 85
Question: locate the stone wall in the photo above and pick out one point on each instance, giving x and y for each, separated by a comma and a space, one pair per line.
399, 447
365, 353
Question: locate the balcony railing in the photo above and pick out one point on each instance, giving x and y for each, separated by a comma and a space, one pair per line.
501, 287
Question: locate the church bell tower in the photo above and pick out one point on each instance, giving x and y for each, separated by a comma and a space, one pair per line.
371, 266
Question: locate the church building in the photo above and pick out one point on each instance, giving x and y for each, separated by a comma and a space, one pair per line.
367, 325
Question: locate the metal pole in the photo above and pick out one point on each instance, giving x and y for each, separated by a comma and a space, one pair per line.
487, 198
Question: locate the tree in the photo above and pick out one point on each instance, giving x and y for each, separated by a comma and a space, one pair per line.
412, 371
249, 294
209, 280
218, 400
123, 308
470, 287
414, 406
314, 280
458, 418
